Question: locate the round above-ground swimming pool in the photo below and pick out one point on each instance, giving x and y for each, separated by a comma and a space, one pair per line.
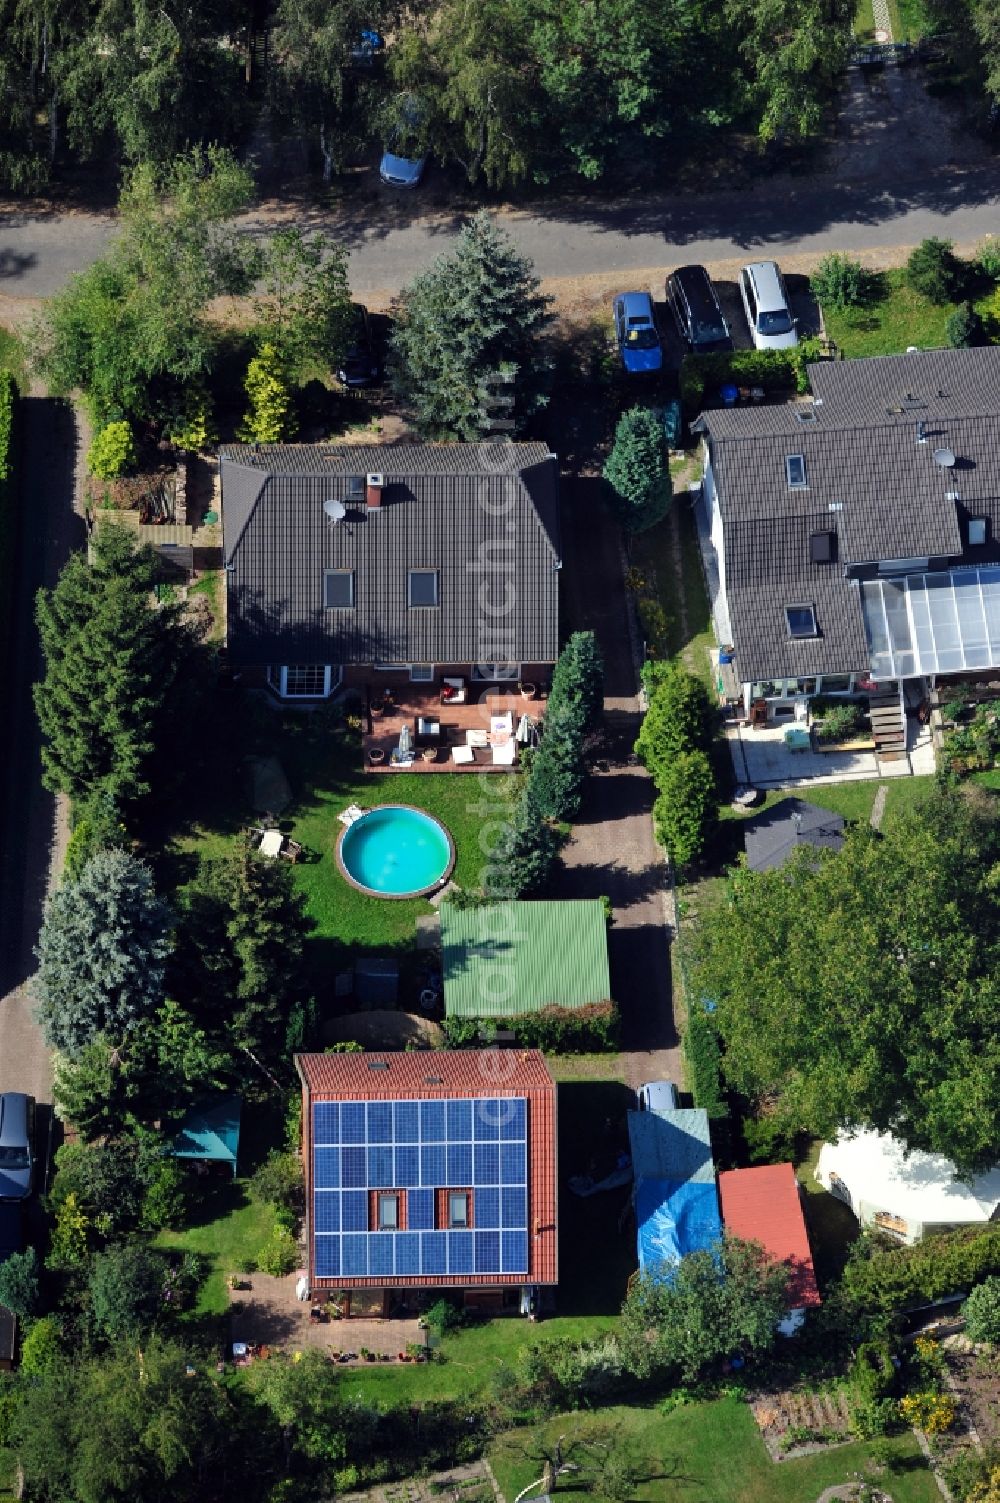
396, 851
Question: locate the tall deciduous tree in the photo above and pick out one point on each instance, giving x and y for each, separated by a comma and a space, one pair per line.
132, 330
306, 314
138, 1424
155, 79
716, 1301
114, 663
126, 1290
313, 81
794, 54
101, 953
860, 988
467, 354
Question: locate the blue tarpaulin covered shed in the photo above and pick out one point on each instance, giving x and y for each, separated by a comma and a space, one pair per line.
210, 1131
676, 1205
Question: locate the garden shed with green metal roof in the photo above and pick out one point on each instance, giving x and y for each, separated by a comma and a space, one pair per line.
504, 960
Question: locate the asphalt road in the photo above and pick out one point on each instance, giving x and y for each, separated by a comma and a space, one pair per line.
899, 168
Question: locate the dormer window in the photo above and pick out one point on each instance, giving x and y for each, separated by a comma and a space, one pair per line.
801, 620
822, 547
977, 532
795, 471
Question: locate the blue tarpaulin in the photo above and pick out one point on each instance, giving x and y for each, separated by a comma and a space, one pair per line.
676, 1205
210, 1130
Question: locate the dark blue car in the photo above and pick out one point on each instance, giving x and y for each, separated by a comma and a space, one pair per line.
635, 333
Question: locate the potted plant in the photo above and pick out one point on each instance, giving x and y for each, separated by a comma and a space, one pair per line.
376, 756
528, 690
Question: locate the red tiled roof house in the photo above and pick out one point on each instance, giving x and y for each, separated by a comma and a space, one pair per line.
429, 1171
764, 1205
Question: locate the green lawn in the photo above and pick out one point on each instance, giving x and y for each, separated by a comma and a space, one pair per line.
322, 761
864, 21
681, 594
713, 1453
897, 318
909, 20
13, 357
226, 1228
853, 800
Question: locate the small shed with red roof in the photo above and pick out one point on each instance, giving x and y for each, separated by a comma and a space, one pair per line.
429, 1171
764, 1205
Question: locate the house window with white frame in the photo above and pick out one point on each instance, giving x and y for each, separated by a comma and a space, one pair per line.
304, 680
493, 673
801, 620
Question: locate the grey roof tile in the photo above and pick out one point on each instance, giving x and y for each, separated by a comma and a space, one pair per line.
770, 837
869, 481
484, 516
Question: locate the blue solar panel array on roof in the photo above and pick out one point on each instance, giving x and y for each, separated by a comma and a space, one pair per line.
420, 1147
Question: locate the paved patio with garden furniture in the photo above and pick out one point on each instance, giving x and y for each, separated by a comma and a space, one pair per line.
485, 730
270, 1314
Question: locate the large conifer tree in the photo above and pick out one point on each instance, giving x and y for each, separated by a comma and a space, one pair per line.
467, 357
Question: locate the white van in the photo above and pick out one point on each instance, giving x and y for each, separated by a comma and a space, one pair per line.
657, 1096
765, 302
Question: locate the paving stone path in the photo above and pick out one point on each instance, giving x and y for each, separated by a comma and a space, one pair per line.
880, 10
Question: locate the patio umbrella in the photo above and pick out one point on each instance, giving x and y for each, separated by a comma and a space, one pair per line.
524, 728
405, 743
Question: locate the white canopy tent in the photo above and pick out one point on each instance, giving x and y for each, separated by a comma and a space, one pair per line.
907, 1195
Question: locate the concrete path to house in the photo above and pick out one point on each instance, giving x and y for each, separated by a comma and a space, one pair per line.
33, 824
612, 851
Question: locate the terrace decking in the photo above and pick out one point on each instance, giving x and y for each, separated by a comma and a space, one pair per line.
381, 733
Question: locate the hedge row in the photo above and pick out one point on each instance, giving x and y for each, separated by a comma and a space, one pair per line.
8, 501
774, 370
884, 1279
704, 1064
592, 1029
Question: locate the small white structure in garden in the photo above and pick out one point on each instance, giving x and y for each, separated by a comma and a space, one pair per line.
906, 1195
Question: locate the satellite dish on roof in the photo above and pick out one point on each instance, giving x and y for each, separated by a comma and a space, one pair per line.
945, 458
336, 511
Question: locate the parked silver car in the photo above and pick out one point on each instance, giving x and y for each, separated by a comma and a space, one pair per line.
17, 1145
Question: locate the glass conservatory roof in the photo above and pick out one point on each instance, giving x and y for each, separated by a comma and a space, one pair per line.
943, 622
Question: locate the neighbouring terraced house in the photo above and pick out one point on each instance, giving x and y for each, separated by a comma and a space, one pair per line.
852, 541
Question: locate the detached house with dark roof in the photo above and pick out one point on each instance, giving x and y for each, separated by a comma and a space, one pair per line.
421, 560
852, 542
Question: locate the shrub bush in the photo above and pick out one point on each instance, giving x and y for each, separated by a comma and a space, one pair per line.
592, 1029
684, 814
982, 1312
841, 282
680, 716
280, 1255
279, 1181
267, 421
703, 375
840, 722
444, 1315
41, 1349
987, 257
883, 1278
964, 329
8, 531
934, 270
112, 452
932, 1412
704, 1064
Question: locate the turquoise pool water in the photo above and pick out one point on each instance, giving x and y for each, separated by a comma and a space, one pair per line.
396, 852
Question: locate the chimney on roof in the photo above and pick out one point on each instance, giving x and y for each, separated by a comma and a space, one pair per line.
921, 432
374, 486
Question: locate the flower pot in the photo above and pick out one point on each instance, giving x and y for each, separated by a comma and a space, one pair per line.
528, 691
376, 756
429, 754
